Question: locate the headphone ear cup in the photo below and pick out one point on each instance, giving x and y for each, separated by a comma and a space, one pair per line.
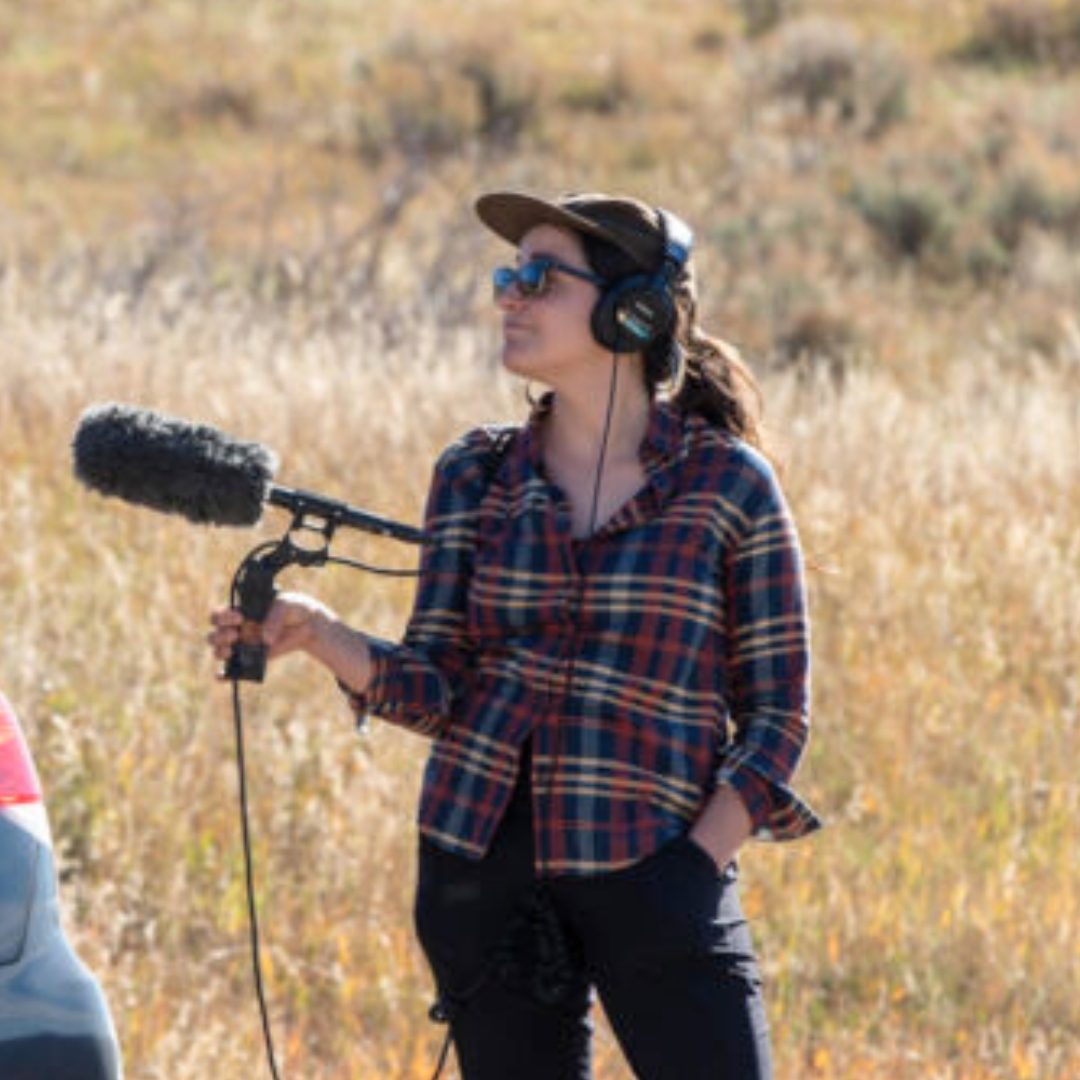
654, 311
632, 314
605, 326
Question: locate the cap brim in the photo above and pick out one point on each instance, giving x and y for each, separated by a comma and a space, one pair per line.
511, 214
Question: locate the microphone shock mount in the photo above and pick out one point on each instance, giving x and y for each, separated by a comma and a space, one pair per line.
253, 592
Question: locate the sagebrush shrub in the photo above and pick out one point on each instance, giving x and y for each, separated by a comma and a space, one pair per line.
908, 220
824, 65
427, 101
761, 16
1026, 32
1020, 203
815, 338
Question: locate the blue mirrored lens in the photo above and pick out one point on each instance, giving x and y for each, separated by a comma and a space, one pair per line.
531, 279
533, 276
502, 278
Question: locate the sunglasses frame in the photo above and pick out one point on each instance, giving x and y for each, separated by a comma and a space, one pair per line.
504, 277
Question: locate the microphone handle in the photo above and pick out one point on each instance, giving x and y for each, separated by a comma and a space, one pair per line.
255, 593
247, 661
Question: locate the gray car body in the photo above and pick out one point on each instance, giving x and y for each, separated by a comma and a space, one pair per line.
54, 1020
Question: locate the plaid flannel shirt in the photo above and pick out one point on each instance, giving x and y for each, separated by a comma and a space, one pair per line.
664, 655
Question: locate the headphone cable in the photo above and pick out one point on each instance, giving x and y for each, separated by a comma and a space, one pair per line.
603, 443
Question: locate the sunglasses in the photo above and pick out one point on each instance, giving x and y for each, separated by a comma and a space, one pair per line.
533, 278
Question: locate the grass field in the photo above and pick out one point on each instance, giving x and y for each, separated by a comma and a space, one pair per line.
258, 216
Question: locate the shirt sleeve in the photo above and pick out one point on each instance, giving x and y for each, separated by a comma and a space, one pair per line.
416, 683
768, 665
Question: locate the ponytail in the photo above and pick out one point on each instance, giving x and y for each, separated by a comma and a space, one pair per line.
704, 374
695, 371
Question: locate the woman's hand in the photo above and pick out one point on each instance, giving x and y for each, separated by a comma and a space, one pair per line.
300, 623
723, 827
293, 623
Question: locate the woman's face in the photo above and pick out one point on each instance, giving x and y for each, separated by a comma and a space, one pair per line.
549, 335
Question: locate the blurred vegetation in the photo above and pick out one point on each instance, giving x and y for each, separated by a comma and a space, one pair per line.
259, 215
1031, 33
310, 155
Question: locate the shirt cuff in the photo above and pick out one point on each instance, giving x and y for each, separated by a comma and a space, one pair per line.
776, 812
367, 701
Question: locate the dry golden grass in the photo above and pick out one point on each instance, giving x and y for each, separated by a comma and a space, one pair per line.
932, 931
257, 216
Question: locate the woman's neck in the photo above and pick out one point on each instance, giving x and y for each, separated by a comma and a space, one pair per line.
575, 426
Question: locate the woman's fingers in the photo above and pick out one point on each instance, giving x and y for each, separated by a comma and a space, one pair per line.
226, 617
289, 625
226, 623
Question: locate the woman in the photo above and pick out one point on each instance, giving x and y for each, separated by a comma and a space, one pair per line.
609, 650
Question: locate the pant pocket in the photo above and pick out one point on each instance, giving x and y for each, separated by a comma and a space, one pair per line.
658, 911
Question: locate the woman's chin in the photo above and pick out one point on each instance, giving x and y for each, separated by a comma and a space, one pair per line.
516, 360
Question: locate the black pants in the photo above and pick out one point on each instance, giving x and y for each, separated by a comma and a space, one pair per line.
663, 942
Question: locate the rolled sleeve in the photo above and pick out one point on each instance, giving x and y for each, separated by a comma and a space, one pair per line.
768, 666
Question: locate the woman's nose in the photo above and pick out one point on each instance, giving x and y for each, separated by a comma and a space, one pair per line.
510, 299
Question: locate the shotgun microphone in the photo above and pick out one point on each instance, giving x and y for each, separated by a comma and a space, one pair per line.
198, 472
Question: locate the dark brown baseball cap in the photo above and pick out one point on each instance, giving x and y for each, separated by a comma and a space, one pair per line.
629, 224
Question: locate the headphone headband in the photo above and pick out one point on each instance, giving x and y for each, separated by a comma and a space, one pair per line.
678, 238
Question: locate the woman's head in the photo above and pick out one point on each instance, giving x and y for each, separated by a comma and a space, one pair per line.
624, 239
547, 303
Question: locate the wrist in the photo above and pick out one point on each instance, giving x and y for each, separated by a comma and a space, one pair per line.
342, 650
723, 826
322, 636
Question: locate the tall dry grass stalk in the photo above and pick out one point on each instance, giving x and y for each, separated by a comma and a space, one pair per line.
931, 932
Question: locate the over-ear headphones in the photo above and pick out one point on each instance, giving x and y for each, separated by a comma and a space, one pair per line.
635, 312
